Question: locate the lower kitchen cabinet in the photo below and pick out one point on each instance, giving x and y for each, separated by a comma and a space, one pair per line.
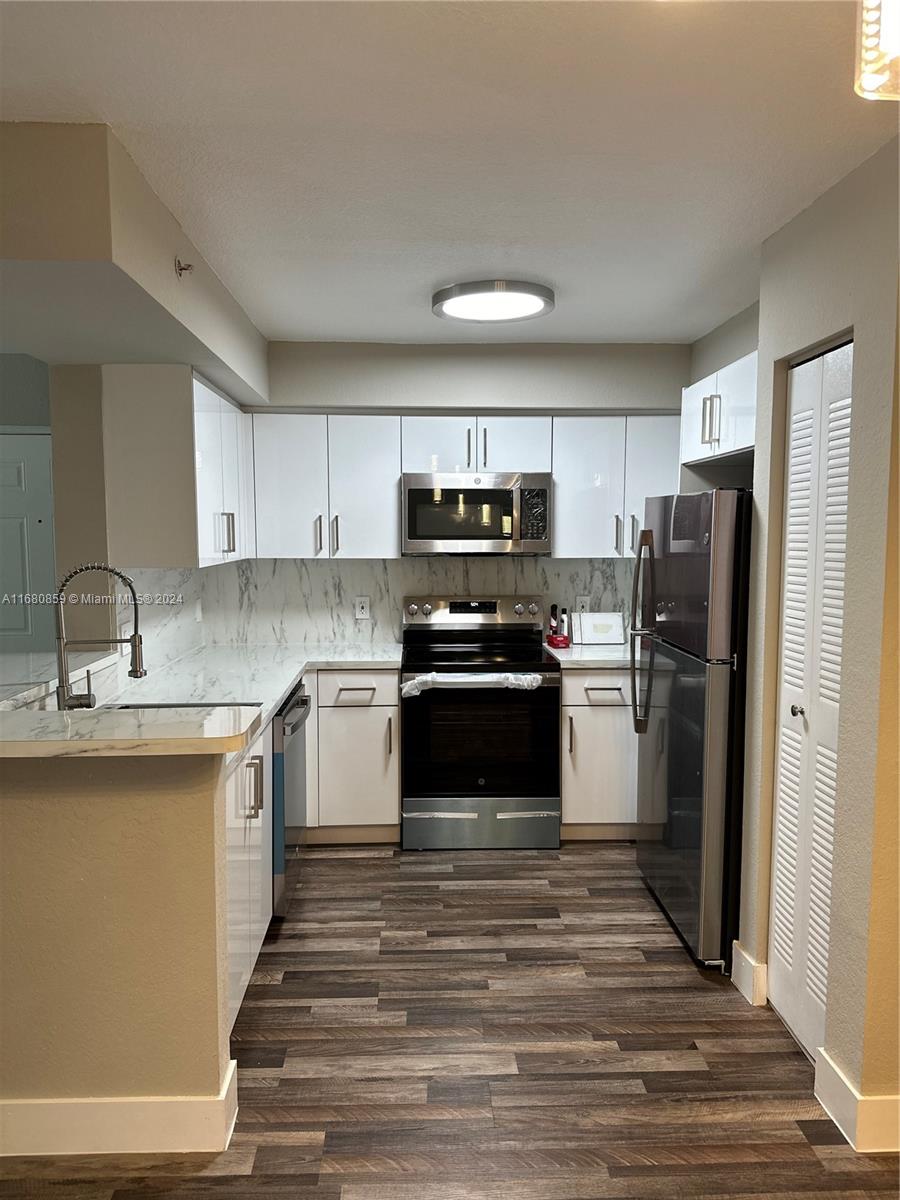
359, 765
599, 765
248, 857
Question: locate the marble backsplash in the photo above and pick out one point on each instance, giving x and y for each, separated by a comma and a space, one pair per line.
305, 601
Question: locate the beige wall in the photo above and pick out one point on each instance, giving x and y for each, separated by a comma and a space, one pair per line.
111, 919
725, 344
831, 270
552, 377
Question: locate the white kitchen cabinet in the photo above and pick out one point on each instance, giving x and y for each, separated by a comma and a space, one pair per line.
247, 525
364, 486
599, 765
588, 486
514, 444
718, 413
208, 466
651, 468
221, 469
444, 444
290, 454
695, 402
248, 863
735, 427
359, 773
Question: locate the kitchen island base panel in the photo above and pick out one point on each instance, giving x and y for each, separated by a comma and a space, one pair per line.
113, 903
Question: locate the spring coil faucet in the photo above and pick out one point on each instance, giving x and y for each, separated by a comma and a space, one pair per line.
65, 697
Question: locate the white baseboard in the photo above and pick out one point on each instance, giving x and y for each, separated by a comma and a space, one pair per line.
120, 1124
871, 1124
748, 976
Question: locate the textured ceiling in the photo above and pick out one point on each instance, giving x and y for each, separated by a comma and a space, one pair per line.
336, 162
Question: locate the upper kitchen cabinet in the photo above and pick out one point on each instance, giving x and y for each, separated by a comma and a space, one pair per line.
290, 454
364, 486
718, 414
494, 444
170, 468
223, 470
651, 468
514, 444
588, 486
438, 444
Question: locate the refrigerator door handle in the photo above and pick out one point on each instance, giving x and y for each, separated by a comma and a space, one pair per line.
640, 720
644, 541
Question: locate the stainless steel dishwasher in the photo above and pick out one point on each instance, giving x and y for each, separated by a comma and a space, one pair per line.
288, 783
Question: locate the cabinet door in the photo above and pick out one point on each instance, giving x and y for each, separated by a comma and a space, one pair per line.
232, 479
209, 480
259, 841
438, 444
588, 486
599, 765
734, 424
651, 468
514, 444
290, 455
364, 486
695, 420
359, 777
247, 525
237, 908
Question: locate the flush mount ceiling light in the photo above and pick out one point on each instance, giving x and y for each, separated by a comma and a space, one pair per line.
878, 50
488, 300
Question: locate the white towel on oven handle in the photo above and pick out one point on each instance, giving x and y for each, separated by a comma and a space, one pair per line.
524, 681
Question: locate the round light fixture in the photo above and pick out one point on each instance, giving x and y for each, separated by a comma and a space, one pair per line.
488, 300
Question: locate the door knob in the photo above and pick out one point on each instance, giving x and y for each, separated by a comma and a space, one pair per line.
797, 710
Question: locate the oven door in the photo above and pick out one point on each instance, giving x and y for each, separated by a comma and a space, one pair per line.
461, 514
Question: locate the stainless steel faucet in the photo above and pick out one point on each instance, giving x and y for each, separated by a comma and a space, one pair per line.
65, 697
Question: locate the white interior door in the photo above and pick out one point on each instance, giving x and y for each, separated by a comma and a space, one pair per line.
815, 534
26, 544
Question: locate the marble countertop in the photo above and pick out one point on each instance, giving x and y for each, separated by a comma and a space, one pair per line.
29, 677
104, 732
596, 658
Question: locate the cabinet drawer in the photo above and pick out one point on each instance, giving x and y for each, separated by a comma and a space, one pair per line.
597, 688
345, 689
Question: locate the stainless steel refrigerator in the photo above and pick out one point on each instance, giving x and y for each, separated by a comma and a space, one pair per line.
688, 651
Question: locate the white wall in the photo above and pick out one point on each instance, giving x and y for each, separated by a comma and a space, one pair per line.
24, 391
552, 377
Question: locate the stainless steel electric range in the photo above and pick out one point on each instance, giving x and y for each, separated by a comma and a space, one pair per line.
480, 714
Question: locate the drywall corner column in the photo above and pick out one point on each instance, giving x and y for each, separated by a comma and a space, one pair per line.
79, 495
114, 1032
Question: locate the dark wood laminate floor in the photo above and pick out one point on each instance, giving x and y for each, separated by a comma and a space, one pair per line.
493, 1026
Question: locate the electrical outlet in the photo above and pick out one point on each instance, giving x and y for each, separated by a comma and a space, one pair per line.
361, 608
125, 630
582, 603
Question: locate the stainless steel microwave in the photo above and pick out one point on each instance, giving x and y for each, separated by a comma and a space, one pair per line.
476, 513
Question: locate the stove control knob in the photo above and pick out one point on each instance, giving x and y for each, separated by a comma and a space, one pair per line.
426, 610
412, 609
518, 609
533, 609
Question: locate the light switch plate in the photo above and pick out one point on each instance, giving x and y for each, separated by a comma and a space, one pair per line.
582, 603
361, 608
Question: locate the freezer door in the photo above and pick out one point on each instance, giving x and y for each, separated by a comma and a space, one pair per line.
683, 788
693, 546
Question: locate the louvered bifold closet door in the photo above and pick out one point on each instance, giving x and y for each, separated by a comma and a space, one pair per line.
815, 532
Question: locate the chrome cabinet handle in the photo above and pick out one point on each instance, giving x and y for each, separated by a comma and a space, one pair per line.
255, 764
705, 438
336, 533
597, 687
797, 710
352, 687
617, 535
320, 540
635, 529
715, 418
484, 452
571, 734
390, 732
231, 544
469, 447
